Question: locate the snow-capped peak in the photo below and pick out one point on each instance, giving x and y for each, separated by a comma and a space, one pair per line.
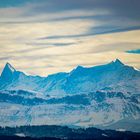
9, 67
117, 61
7, 72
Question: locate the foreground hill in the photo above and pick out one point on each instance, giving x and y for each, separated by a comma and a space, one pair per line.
62, 132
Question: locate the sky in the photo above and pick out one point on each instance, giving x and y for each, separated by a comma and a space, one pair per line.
42, 37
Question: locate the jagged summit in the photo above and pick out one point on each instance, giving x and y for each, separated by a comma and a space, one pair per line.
7, 72
117, 62
9, 67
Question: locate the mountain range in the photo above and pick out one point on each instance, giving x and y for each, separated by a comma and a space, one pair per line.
104, 96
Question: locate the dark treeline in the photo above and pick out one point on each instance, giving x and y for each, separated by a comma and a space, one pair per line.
64, 132
25, 138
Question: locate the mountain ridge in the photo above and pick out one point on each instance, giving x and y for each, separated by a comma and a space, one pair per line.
96, 96
81, 79
116, 61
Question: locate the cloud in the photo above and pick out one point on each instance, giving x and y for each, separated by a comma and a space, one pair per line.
51, 44
125, 8
134, 51
105, 16
44, 37
87, 51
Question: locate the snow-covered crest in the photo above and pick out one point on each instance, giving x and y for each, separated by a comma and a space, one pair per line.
81, 79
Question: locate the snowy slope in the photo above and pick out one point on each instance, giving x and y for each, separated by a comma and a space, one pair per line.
94, 109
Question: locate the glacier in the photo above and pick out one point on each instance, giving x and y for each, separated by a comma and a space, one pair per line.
103, 96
